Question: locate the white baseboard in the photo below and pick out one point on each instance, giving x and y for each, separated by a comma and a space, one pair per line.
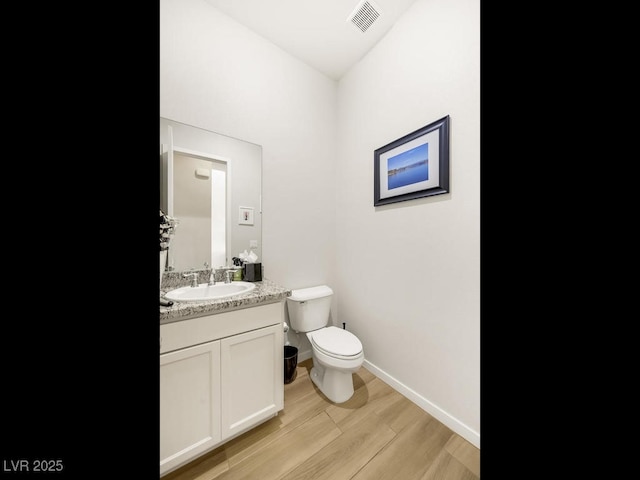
454, 424
302, 356
458, 427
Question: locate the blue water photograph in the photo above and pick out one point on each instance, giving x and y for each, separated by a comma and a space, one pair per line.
408, 167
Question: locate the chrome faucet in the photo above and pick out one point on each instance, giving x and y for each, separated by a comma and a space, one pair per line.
229, 273
212, 274
226, 273
194, 278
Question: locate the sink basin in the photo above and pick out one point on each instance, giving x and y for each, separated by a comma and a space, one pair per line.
204, 291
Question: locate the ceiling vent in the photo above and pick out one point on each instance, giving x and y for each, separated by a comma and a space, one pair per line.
364, 15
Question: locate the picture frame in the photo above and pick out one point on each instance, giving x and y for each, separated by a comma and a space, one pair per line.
245, 216
414, 166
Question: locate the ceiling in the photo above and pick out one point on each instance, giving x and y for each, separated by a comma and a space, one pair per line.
318, 32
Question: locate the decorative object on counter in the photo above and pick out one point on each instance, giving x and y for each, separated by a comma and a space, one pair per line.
414, 166
250, 257
163, 264
252, 272
167, 229
251, 269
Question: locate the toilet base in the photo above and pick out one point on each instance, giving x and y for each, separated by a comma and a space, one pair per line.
336, 385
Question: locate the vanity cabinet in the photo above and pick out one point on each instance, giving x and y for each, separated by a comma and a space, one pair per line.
189, 403
252, 371
220, 375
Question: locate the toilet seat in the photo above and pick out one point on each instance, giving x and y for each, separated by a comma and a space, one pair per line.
336, 342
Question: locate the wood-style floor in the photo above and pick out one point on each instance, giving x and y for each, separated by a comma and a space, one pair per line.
376, 434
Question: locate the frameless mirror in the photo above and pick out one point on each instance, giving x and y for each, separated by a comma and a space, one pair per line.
211, 184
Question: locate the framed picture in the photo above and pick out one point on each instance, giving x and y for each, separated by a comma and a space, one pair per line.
414, 166
246, 216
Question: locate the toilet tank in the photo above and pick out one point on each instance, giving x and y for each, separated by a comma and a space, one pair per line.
309, 308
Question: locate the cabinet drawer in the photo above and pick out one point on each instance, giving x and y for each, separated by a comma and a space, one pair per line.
194, 331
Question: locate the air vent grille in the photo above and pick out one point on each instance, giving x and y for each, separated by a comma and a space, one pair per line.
364, 15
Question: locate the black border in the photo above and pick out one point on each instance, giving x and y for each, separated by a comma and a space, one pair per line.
79, 358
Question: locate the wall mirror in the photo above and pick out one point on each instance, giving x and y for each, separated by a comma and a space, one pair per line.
212, 184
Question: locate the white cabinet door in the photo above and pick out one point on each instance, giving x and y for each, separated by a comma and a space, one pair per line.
252, 377
189, 403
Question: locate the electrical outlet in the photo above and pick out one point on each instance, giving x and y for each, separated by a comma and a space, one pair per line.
253, 243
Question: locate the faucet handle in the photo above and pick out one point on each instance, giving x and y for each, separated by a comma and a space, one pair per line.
229, 273
194, 278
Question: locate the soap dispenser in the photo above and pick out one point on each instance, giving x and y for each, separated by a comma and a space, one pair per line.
237, 275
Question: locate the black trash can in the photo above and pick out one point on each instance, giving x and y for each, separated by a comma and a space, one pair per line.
290, 363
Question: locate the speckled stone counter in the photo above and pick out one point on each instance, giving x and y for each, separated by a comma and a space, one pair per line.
265, 292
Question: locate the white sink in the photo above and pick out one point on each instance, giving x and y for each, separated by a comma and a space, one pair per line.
204, 291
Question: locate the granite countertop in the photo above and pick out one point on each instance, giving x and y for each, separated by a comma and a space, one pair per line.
265, 292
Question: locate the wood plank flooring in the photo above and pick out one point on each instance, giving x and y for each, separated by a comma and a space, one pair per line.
376, 434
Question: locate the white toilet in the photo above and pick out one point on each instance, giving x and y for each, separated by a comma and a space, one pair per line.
336, 353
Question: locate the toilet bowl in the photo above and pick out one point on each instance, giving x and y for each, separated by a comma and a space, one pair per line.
336, 353
332, 370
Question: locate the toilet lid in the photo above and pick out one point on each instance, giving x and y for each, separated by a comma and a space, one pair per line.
336, 341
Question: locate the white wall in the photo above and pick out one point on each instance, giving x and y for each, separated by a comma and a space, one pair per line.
218, 75
406, 276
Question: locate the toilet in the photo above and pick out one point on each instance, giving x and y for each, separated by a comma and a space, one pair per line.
336, 353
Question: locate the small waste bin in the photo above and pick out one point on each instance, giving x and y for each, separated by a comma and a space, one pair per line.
290, 363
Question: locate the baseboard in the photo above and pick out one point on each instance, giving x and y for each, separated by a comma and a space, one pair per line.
302, 356
460, 428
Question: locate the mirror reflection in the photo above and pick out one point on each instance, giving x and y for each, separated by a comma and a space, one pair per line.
212, 185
